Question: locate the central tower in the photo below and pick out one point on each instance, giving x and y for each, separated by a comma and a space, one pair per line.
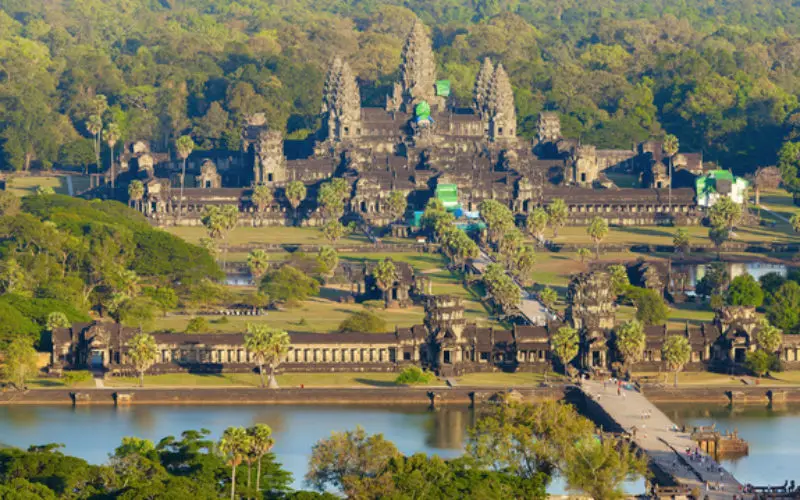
418, 74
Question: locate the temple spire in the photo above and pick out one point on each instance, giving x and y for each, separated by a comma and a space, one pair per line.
330, 82
418, 73
341, 101
481, 90
500, 106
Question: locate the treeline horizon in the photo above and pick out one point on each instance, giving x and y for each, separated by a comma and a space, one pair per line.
722, 77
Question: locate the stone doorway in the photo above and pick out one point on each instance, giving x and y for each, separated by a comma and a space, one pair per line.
96, 359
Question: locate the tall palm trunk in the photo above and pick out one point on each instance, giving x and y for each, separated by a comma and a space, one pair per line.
113, 173
670, 187
233, 480
249, 473
261, 375
183, 181
258, 474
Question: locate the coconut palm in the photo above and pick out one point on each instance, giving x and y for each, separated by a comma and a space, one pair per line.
136, 193
234, 445
111, 134
258, 263
184, 145
268, 346
261, 443
142, 351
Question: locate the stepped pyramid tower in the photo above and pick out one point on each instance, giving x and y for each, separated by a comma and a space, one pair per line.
500, 107
418, 74
480, 93
341, 102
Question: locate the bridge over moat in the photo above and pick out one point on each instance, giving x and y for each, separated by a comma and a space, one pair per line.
660, 439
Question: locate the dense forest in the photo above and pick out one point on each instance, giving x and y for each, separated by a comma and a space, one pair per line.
722, 76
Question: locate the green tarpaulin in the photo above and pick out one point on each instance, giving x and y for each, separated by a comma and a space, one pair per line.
422, 111
443, 88
448, 193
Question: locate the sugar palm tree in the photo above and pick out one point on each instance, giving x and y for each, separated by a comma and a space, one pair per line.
385, 275
671, 149
136, 193
111, 134
94, 124
184, 145
295, 193
261, 442
268, 346
234, 444
142, 351
795, 222
258, 262
262, 197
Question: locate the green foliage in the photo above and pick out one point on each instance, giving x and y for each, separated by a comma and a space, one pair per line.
262, 197
759, 362
163, 297
714, 280
548, 297
414, 375
584, 254
724, 214
334, 230
72, 378
258, 262
784, 308
288, 285
363, 321
565, 343
57, 319
142, 353
268, 346
619, 278
498, 218
650, 307
744, 290
19, 362
397, 204
676, 351
501, 288
328, 260
197, 324
769, 338
600, 467
537, 223
385, 274
681, 241
630, 341
557, 214
597, 231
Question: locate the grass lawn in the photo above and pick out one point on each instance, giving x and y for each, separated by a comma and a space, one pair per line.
419, 261
55, 383
502, 379
269, 235
24, 186
359, 379
695, 379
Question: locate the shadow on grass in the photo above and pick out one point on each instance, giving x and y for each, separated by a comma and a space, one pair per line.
334, 294
375, 383
51, 383
640, 231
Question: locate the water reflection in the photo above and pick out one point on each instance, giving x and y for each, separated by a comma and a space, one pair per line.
692, 273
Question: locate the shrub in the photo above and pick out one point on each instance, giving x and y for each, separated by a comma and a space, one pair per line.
363, 321
373, 304
197, 325
414, 375
288, 285
72, 378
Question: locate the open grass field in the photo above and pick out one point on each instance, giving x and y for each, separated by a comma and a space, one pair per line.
24, 186
360, 379
269, 236
707, 379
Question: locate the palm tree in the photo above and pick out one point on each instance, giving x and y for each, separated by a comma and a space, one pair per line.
795, 222
111, 135
676, 351
234, 444
261, 197
258, 263
184, 145
671, 149
136, 193
268, 346
597, 230
295, 193
95, 125
261, 442
142, 351
385, 275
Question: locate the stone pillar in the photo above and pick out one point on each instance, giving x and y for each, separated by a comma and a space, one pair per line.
334, 352
415, 354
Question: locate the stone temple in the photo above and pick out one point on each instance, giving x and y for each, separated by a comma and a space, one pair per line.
417, 142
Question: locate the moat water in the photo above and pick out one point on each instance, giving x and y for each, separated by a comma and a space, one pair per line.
93, 432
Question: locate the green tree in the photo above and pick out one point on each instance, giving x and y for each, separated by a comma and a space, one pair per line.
45, 191
537, 223
385, 275
288, 285
630, 342
196, 325
333, 230
261, 442
676, 352
501, 288
397, 204
745, 291
111, 135
262, 197
364, 322
328, 260
331, 197
269, 346
597, 231
19, 362
142, 353
414, 375
718, 236
9, 204
548, 297
714, 280
724, 214
234, 445
498, 218
599, 467
784, 308
759, 362
619, 279
184, 146
795, 222
57, 319
350, 462
681, 242
583, 254
769, 338
670, 147
258, 262
136, 193
558, 214
164, 297
565, 343
295, 194
524, 264
650, 306
94, 125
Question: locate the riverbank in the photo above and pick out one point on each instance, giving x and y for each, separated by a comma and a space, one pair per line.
425, 396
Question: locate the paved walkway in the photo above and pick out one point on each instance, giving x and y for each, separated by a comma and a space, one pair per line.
533, 310
70, 189
656, 437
